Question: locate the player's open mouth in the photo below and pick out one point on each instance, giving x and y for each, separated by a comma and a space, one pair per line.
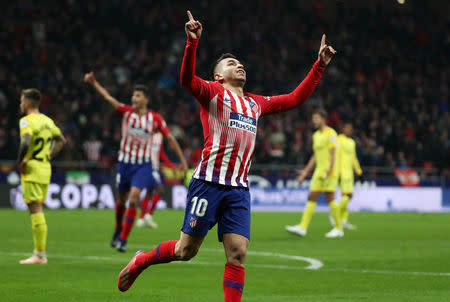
241, 72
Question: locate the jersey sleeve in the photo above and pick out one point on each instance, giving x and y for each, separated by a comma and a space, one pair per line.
202, 90
332, 138
161, 125
25, 127
55, 130
281, 103
122, 109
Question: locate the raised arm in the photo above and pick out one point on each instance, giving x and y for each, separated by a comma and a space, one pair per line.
196, 86
297, 97
90, 79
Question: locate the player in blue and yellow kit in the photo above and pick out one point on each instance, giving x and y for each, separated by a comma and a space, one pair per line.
348, 165
325, 177
37, 134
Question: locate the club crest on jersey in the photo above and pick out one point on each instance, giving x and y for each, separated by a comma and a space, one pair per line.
253, 105
193, 222
243, 122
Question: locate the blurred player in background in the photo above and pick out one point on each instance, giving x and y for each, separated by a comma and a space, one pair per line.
218, 192
325, 177
134, 162
37, 134
348, 164
158, 154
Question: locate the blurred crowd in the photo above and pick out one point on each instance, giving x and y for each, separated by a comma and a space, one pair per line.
390, 77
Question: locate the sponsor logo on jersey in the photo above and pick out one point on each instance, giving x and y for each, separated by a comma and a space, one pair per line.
139, 132
243, 122
227, 100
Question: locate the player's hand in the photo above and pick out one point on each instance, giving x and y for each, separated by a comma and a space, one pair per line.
23, 166
301, 175
326, 52
89, 78
324, 177
193, 28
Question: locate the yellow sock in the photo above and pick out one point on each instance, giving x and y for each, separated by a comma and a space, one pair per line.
343, 207
307, 214
336, 213
39, 228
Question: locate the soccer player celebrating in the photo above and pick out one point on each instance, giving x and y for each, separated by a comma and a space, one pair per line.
37, 133
348, 164
146, 217
325, 178
218, 192
134, 166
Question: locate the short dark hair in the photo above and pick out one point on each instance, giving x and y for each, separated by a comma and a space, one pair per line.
322, 112
141, 87
216, 62
32, 95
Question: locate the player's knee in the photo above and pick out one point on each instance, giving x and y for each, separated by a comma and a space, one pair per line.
312, 196
350, 195
237, 254
186, 252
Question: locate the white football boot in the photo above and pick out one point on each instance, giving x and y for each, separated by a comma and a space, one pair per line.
150, 222
335, 233
348, 226
140, 223
296, 229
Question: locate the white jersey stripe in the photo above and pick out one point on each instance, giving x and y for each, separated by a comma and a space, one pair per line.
241, 144
231, 136
215, 131
252, 145
141, 145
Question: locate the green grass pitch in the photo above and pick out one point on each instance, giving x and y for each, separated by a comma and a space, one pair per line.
391, 257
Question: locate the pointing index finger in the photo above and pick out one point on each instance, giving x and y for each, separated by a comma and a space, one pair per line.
322, 43
190, 16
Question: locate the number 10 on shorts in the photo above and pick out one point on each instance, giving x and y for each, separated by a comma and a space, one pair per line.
199, 206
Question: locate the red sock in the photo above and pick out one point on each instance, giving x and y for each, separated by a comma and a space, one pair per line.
163, 253
233, 282
144, 206
156, 197
120, 210
130, 215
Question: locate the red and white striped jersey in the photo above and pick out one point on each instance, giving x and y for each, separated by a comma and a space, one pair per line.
229, 125
137, 134
157, 141
230, 121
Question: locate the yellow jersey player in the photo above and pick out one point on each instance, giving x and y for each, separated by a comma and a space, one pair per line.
325, 177
348, 164
37, 133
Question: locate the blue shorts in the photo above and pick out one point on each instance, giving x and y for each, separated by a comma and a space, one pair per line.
134, 175
209, 203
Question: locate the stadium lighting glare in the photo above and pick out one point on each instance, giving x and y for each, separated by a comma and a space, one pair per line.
401, 1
